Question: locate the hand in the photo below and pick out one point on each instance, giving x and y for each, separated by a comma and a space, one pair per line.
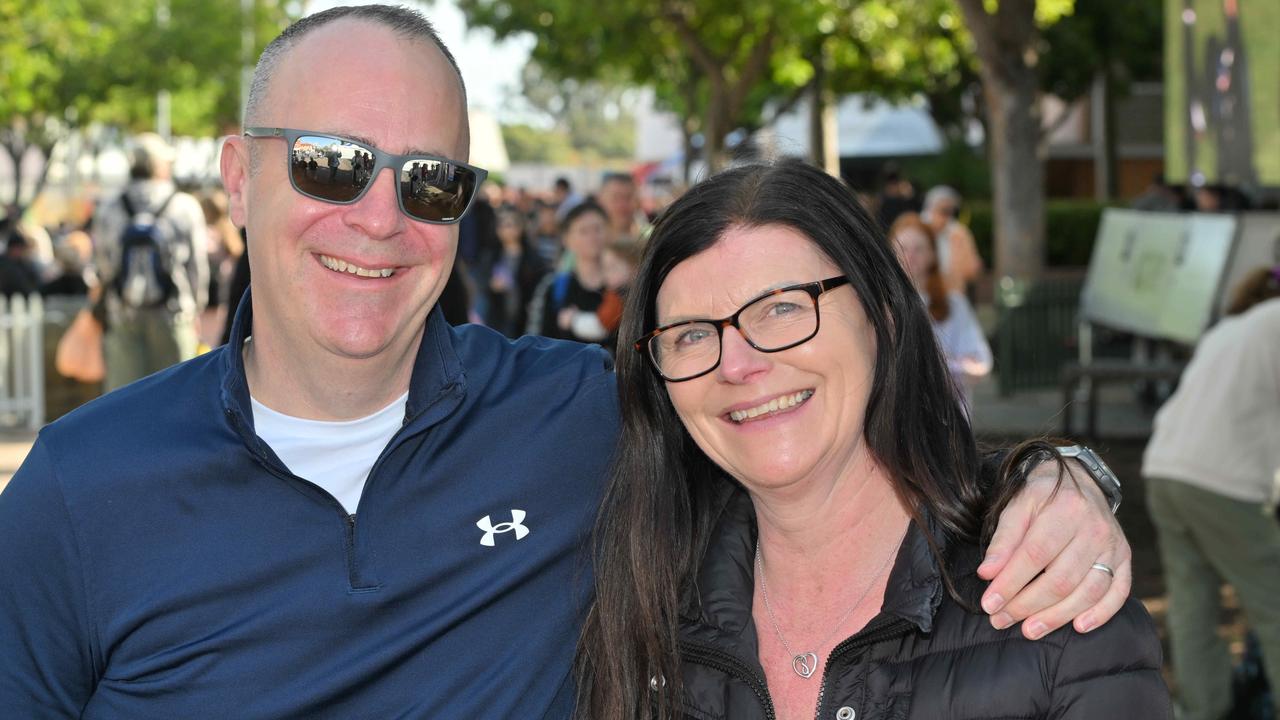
1063, 534
565, 318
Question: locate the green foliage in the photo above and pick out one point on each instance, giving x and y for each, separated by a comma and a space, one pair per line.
67, 63
528, 144
592, 119
1071, 226
106, 60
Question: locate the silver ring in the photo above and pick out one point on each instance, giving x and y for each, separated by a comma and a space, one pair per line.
1103, 568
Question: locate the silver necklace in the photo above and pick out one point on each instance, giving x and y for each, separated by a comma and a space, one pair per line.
805, 664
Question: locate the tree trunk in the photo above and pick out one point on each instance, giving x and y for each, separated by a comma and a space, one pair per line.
1005, 44
824, 146
715, 126
1017, 177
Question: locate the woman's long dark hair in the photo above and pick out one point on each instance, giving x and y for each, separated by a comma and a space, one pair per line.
657, 515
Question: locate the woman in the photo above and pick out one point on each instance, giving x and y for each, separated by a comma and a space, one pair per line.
516, 273
1212, 468
963, 343
561, 295
958, 258
796, 528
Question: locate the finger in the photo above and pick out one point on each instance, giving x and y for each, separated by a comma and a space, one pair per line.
1095, 596
1043, 542
1010, 531
1067, 571
1111, 602
1088, 592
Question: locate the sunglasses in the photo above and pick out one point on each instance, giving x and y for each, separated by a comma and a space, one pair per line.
339, 170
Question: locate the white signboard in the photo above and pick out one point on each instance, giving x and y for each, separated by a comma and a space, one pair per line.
1157, 274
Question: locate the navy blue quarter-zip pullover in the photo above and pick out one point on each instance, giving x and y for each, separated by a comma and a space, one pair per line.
157, 560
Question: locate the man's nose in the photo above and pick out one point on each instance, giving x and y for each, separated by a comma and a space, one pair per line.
377, 214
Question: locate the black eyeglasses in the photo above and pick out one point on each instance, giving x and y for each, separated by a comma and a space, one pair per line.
339, 170
777, 320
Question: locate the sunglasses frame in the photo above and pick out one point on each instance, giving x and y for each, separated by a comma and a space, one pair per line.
815, 290
381, 159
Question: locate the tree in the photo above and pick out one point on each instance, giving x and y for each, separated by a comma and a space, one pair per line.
710, 59
1006, 42
590, 118
67, 63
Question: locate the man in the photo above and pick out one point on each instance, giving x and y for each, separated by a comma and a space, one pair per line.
621, 202
152, 258
353, 509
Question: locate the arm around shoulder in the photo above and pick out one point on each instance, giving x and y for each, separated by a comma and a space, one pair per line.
1113, 671
46, 661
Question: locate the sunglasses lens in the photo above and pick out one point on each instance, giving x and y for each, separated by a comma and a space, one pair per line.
330, 169
436, 190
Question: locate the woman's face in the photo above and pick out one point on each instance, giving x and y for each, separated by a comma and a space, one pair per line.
821, 436
509, 230
585, 236
915, 252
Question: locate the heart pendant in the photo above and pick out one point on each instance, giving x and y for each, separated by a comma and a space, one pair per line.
805, 664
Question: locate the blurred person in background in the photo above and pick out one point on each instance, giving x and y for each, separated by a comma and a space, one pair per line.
225, 248
151, 254
958, 258
478, 246
897, 196
1209, 469
619, 262
74, 256
18, 272
563, 198
515, 275
580, 287
545, 234
620, 199
960, 337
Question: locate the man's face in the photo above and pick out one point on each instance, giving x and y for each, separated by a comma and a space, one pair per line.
359, 80
618, 198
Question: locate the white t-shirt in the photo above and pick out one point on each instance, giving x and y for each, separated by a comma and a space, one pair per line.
336, 455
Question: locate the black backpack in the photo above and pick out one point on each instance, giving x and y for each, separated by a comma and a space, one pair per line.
145, 276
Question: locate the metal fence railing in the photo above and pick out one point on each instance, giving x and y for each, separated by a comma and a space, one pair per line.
22, 362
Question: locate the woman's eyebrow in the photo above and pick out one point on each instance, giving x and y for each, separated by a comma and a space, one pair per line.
662, 322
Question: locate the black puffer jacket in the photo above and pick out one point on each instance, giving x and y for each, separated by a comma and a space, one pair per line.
924, 657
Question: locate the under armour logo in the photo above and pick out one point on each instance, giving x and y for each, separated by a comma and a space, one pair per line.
517, 524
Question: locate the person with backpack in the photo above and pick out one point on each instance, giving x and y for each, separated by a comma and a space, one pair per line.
151, 255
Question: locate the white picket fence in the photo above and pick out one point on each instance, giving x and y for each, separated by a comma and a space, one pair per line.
22, 362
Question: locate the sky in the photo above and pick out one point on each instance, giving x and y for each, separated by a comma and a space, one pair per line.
488, 67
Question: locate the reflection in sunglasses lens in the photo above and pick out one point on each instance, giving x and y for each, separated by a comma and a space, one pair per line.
435, 190
336, 170
330, 169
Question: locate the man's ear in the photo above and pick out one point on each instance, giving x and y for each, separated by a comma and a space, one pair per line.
234, 165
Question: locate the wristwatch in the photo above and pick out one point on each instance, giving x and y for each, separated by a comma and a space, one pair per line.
1106, 479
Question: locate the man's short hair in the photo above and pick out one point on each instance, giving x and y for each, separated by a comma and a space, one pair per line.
562, 183
405, 22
